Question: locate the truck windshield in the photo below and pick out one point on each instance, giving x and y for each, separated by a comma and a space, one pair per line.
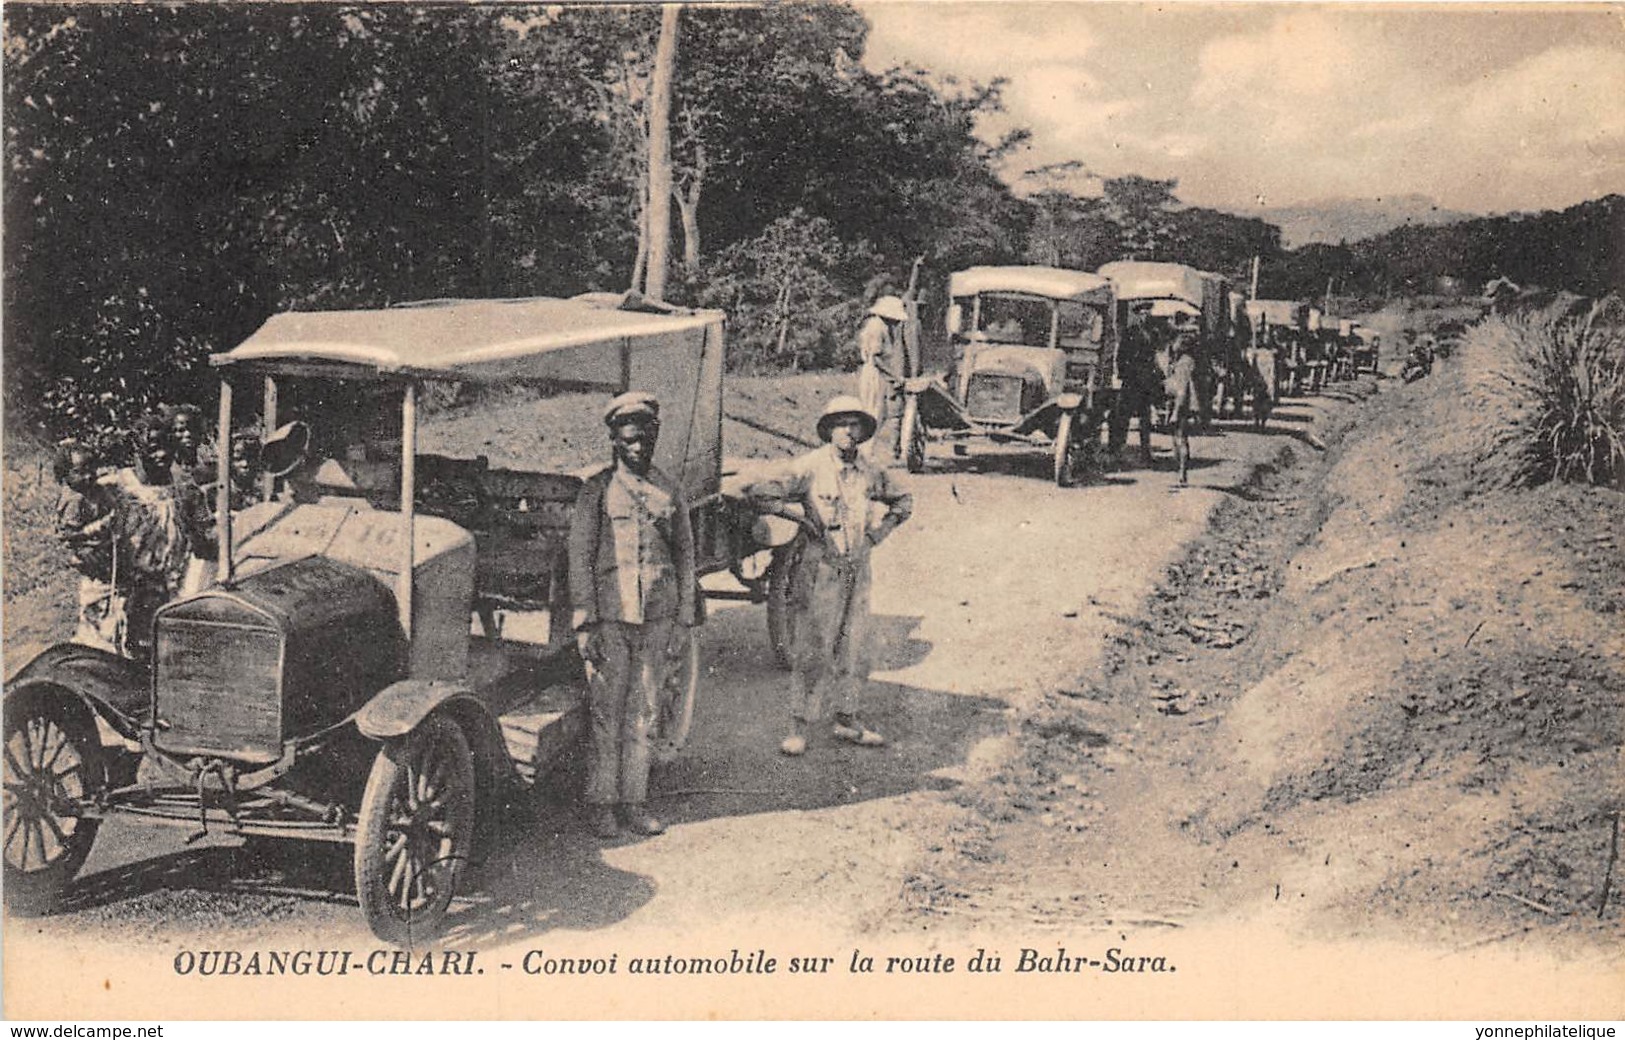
1080, 326
1016, 319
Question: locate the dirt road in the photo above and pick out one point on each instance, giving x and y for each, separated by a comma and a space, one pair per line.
992, 605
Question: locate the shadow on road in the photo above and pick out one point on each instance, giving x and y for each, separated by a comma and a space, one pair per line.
546, 871
170, 884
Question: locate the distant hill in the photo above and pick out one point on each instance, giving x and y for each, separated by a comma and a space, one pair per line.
1349, 220
1580, 249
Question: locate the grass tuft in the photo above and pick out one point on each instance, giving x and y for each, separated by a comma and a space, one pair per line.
1546, 394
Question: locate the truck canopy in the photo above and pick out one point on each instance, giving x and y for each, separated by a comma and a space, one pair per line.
1056, 283
590, 343
1293, 313
1145, 280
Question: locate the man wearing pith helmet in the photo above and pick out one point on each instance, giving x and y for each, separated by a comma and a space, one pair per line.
880, 381
847, 505
632, 582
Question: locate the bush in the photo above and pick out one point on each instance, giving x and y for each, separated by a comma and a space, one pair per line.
1547, 393
790, 296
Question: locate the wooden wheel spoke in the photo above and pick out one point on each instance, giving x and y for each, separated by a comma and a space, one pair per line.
49, 820
29, 827
397, 874
418, 896
415, 784
45, 731
15, 767
46, 855
61, 743
73, 769
435, 787
27, 734
409, 886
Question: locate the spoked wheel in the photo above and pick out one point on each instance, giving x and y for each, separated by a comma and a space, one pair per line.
913, 436
415, 831
1070, 450
781, 614
676, 712
53, 768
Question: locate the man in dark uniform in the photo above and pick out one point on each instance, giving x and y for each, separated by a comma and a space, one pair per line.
632, 581
1141, 383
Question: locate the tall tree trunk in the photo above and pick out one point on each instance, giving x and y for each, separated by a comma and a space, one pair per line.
784, 321
640, 263
659, 198
688, 209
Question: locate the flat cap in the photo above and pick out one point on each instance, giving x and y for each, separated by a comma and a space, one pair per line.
632, 405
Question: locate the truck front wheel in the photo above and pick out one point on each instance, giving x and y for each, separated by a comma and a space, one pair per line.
53, 768
913, 436
415, 831
1070, 449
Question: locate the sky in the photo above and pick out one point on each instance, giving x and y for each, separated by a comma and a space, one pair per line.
1482, 109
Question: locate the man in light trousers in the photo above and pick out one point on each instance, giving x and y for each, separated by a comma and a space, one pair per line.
885, 366
848, 505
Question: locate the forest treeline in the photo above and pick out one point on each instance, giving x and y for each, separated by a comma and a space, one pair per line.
175, 174
1580, 249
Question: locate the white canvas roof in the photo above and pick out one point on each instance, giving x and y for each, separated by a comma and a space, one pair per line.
1279, 312
480, 340
1146, 280
1054, 282
1170, 308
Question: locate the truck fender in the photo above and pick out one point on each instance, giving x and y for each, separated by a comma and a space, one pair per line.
398, 708
114, 688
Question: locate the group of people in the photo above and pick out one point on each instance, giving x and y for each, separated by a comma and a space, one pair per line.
633, 582
143, 534
1149, 380
140, 534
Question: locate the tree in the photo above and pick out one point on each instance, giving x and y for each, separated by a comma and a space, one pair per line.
660, 189
781, 288
176, 173
1141, 205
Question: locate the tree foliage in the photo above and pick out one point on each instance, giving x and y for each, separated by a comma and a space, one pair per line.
176, 173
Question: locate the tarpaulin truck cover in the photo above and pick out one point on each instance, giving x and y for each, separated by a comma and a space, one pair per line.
1145, 280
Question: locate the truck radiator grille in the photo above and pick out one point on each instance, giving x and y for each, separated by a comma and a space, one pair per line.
994, 397
217, 689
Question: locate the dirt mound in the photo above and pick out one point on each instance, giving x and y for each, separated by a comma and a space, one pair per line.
1373, 692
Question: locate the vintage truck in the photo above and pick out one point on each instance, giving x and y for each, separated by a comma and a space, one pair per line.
344, 678
1035, 364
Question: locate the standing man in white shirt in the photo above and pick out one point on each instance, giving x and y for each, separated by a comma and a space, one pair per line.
848, 506
632, 581
885, 366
